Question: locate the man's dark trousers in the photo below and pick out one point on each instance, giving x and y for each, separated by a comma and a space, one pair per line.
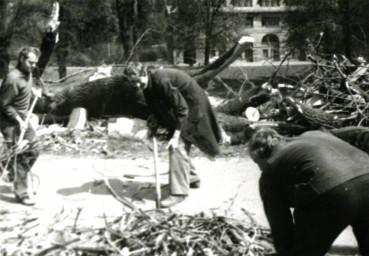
25, 160
319, 222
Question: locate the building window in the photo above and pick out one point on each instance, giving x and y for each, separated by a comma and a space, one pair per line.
269, 3
266, 53
249, 55
270, 22
242, 3
249, 22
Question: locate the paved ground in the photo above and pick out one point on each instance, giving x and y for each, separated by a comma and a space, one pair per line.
67, 183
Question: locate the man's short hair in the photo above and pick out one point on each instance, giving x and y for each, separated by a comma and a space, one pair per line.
262, 143
24, 51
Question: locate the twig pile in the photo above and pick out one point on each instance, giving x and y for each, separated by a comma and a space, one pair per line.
334, 94
149, 233
92, 141
337, 87
159, 233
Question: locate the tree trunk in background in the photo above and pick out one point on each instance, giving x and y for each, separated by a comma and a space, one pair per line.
189, 53
4, 57
5, 38
186, 10
62, 48
170, 44
208, 32
346, 27
207, 47
125, 11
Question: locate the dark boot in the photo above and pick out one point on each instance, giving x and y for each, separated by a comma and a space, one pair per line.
25, 200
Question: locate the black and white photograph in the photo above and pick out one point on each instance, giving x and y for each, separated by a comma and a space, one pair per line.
184, 128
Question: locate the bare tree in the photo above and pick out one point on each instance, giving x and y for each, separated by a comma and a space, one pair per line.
9, 21
210, 11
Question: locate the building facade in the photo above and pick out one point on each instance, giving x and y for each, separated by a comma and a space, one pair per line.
263, 20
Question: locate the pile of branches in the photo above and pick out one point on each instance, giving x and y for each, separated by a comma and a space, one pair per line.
94, 140
334, 94
339, 87
140, 232
60, 140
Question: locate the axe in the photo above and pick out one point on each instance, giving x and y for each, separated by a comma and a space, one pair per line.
158, 188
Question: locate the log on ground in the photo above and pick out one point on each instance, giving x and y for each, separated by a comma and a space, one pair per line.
112, 96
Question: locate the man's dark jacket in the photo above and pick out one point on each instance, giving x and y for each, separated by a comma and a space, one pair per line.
179, 103
300, 171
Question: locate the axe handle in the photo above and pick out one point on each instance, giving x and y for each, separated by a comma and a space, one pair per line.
157, 178
28, 118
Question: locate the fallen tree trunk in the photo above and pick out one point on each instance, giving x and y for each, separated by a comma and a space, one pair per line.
251, 97
315, 118
232, 124
112, 96
117, 95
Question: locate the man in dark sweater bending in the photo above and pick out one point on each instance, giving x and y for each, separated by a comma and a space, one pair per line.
325, 180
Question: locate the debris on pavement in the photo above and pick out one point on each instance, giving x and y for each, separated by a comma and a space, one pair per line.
152, 232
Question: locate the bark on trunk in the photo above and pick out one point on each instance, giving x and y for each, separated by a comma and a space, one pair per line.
112, 96
232, 124
252, 97
47, 48
315, 118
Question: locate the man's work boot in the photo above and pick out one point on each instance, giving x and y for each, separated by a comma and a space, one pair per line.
172, 200
25, 200
195, 184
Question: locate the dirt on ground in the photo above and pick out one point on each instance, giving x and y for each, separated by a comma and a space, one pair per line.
71, 184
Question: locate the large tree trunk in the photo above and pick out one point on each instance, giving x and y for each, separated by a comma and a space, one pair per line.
112, 96
106, 96
203, 76
252, 96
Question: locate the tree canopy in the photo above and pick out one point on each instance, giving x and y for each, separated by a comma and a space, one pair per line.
332, 26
